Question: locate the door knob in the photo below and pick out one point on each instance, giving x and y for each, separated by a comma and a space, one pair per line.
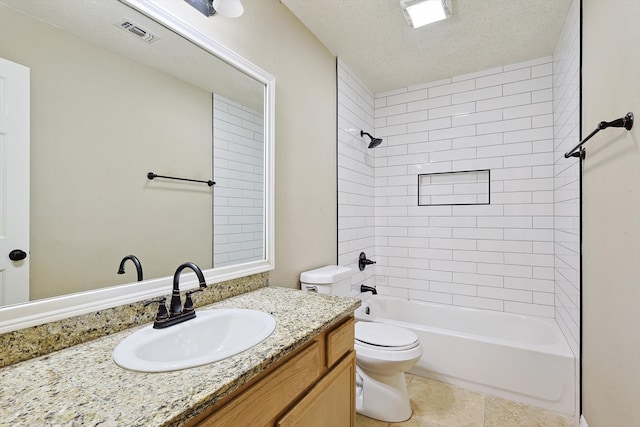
17, 255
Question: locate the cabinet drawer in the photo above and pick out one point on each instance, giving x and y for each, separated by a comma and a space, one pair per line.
340, 341
261, 403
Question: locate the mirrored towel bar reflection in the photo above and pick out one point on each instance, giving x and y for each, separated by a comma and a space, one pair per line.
152, 175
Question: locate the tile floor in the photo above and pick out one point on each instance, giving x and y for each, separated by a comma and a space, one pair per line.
436, 404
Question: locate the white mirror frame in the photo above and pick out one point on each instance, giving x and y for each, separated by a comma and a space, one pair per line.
51, 309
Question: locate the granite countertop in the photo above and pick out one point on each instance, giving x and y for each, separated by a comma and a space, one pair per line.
82, 386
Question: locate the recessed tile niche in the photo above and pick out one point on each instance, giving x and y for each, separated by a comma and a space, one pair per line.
454, 188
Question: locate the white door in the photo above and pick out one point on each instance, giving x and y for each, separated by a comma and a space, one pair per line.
14, 183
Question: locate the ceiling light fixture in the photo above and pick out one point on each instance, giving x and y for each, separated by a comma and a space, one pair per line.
423, 12
228, 8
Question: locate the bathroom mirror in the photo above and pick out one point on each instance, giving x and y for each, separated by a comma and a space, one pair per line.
120, 88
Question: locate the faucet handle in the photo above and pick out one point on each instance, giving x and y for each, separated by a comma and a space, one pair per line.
162, 307
188, 302
363, 261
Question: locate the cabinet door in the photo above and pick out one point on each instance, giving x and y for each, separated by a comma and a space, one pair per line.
331, 402
340, 342
262, 403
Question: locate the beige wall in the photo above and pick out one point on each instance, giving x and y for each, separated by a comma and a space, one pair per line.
268, 35
611, 215
99, 123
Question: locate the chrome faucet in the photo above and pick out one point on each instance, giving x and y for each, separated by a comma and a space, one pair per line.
178, 313
135, 261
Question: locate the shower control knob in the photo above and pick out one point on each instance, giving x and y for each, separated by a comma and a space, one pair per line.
17, 255
363, 261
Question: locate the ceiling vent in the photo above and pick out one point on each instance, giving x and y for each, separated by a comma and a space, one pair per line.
138, 31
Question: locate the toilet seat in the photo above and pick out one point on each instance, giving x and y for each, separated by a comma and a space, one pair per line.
381, 336
379, 347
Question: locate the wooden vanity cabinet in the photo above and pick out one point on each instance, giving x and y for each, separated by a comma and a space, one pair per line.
331, 402
315, 386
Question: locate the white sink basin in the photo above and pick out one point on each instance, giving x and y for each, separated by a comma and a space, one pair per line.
213, 335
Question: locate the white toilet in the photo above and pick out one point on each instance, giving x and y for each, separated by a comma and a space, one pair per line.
383, 352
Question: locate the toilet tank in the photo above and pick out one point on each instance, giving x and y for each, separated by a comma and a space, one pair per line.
331, 279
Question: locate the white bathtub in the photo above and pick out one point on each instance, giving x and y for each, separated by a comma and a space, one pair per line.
516, 357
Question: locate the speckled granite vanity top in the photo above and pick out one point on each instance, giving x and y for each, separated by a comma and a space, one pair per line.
82, 385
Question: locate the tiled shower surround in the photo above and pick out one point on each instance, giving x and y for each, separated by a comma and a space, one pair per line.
498, 256
566, 106
356, 175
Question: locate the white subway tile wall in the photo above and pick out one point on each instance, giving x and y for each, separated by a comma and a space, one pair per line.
519, 253
238, 196
497, 256
356, 174
566, 172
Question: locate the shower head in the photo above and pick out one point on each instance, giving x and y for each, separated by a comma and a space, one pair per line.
374, 141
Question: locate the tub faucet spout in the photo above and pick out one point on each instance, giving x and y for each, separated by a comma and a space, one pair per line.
365, 288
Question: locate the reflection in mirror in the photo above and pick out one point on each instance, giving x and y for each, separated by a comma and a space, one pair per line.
238, 157
115, 95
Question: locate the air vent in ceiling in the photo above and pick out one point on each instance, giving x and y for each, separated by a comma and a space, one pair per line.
138, 31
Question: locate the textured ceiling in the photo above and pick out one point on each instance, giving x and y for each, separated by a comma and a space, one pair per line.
98, 21
374, 40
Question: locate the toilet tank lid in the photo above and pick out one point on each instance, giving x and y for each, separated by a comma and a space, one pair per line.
327, 274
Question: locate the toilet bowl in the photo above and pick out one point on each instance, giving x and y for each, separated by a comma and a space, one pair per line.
383, 352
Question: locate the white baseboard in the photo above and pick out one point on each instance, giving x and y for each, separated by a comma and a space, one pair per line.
583, 421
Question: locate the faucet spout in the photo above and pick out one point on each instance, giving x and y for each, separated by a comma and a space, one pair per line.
175, 308
177, 312
135, 261
372, 289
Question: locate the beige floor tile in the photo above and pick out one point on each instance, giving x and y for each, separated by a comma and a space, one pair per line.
505, 413
435, 403
362, 421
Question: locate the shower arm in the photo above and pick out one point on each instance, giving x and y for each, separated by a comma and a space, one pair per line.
625, 122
